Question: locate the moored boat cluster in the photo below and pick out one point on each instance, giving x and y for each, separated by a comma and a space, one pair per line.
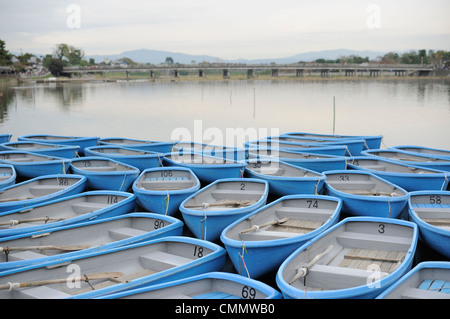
329, 216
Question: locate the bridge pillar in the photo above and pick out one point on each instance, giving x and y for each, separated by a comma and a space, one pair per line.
349, 72
374, 72
176, 73
324, 73
400, 72
152, 73
201, 73
226, 73
299, 73
249, 73
275, 72
127, 73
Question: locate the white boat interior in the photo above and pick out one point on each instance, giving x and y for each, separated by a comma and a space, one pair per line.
166, 180
356, 254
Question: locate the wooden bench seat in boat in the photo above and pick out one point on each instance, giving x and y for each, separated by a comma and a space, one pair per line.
40, 292
41, 190
125, 232
355, 239
159, 260
266, 235
225, 193
24, 255
86, 207
289, 211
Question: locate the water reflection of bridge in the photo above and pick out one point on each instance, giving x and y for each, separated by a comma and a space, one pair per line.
299, 70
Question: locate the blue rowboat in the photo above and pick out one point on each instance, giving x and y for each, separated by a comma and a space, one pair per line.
371, 141
104, 173
114, 270
430, 210
5, 138
229, 153
428, 280
284, 178
7, 175
67, 210
161, 190
314, 162
335, 150
366, 194
143, 145
98, 234
138, 158
409, 158
424, 150
208, 211
81, 141
409, 177
207, 168
354, 146
357, 258
31, 165
39, 190
66, 151
259, 242
211, 285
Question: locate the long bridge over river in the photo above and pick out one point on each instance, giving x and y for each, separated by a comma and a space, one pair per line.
299, 70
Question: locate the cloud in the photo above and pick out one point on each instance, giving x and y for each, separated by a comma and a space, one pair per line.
231, 29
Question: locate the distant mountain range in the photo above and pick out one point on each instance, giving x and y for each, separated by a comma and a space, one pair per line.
157, 57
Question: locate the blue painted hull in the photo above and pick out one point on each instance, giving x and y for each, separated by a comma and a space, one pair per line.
166, 202
247, 288
66, 151
430, 180
79, 184
361, 205
235, 154
94, 233
208, 225
354, 147
8, 175
409, 158
80, 141
117, 203
138, 158
209, 170
32, 169
255, 258
417, 280
314, 162
424, 206
190, 256
5, 138
371, 141
381, 232
290, 185
143, 145
120, 180
339, 150
424, 150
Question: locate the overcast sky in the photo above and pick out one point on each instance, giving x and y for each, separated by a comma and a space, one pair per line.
227, 29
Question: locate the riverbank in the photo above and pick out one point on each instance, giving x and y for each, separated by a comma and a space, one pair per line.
119, 77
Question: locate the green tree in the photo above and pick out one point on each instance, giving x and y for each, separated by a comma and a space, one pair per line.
169, 60
55, 66
5, 56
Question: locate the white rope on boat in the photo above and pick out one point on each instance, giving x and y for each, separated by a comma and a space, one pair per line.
303, 271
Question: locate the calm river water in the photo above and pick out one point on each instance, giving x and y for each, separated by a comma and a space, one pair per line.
403, 111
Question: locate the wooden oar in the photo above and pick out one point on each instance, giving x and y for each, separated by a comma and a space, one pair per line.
303, 271
233, 203
13, 222
273, 222
5, 200
45, 247
86, 278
